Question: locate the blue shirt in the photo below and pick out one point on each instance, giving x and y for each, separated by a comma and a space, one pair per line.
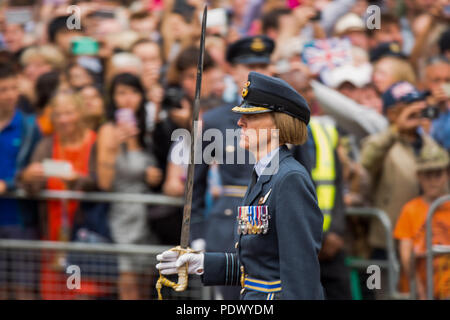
440, 130
10, 142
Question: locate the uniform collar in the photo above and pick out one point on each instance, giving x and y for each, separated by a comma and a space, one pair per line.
269, 170
261, 165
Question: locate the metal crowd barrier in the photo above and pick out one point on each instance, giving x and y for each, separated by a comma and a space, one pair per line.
391, 264
155, 199
412, 276
97, 260
97, 263
432, 250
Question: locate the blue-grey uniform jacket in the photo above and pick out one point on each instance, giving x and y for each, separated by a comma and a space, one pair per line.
218, 227
283, 261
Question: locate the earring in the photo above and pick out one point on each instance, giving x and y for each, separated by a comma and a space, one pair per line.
275, 133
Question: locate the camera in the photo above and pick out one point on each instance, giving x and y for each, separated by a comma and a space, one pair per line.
430, 112
317, 17
172, 97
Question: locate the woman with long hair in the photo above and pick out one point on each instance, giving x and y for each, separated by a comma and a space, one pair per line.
389, 70
125, 165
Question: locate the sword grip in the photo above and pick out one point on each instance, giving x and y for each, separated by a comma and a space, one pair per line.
182, 278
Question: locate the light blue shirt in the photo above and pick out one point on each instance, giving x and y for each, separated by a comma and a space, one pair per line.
261, 165
440, 129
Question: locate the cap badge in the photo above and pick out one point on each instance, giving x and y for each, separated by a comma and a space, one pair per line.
394, 47
257, 45
245, 89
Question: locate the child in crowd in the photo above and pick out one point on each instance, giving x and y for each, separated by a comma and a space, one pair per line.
433, 175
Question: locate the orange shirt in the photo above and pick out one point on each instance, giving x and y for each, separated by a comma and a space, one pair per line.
53, 280
412, 225
45, 122
59, 223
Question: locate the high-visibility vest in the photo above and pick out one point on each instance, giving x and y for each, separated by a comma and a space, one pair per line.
324, 174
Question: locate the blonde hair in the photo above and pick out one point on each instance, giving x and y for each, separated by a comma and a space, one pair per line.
75, 98
401, 69
124, 60
291, 130
123, 40
51, 54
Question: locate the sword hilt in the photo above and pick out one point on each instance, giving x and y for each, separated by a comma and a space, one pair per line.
182, 283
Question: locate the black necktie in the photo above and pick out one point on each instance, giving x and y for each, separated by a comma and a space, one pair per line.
254, 179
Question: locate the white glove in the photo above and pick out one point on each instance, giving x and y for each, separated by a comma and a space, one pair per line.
169, 262
198, 244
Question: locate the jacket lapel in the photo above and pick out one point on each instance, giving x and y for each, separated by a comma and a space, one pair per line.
256, 190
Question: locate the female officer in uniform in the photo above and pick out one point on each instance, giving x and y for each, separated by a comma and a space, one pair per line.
279, 225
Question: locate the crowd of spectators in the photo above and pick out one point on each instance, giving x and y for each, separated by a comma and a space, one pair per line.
90, 96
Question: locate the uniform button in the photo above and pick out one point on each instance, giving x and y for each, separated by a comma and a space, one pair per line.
228, 212
236, 245
229, 148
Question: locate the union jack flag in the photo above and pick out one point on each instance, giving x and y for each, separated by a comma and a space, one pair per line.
324, 54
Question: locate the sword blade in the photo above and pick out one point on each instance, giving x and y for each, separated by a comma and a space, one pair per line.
185, 228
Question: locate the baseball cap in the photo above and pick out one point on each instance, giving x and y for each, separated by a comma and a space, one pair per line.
402, 91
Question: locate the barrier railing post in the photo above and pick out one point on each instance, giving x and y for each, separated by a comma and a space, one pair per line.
412, 276
392, 265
